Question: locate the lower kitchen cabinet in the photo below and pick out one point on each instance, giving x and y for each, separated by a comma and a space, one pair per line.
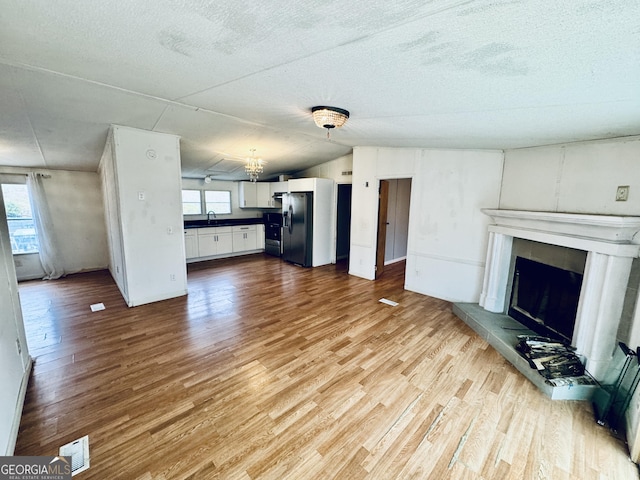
209, 242
245, 237
214, 241
191, 243
261, 236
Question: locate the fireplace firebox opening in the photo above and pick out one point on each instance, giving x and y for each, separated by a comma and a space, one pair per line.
545, 298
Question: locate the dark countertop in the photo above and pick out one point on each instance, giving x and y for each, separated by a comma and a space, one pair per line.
222, 222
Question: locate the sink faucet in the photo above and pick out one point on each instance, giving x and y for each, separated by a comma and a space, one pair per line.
209, 216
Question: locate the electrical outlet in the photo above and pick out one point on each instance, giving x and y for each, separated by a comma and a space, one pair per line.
141, 196
18, 346
622, 194
172, 277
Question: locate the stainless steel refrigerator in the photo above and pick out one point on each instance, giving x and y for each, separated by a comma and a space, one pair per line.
297, 228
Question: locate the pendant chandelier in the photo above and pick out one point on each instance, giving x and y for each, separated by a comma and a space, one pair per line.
329, 117
253, 166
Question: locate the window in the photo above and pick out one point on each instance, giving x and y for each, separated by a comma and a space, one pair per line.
218, 201
191, 202
22, 231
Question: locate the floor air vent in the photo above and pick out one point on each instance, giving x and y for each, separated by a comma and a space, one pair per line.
78, 450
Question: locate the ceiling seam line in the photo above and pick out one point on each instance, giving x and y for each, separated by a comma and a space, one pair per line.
33, 130
144, 95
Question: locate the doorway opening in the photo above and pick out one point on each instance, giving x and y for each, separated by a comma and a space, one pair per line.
343, 222
393, 222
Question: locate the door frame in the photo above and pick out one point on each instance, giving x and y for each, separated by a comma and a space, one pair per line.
378, 180
381, 234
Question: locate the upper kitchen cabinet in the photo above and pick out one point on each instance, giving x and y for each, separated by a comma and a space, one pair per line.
277, 190
278, 187
254, 195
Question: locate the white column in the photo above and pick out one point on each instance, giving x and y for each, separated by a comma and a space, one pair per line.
599, 309
634, 334
496, 274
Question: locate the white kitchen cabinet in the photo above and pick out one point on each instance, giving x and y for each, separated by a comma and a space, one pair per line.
254, 195
206, 243
302, 184
225, 243
214, 241
261, 237
191, 243
277, 188
247, 195
245, 238
263, 195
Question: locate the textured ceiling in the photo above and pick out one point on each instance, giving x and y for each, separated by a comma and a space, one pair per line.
231, 76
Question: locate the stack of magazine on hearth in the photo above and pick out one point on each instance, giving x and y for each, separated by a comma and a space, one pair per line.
552, 358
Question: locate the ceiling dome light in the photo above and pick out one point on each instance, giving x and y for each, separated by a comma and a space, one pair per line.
329, 117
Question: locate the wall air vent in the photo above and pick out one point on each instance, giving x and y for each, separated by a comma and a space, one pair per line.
347, 172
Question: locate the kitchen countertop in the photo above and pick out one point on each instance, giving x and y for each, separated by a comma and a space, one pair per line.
222, 222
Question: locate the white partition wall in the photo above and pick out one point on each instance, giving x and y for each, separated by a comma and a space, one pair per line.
447, 231
15, 362
140, 171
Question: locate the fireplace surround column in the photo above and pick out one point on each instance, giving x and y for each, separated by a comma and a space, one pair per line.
599, 309
496, 275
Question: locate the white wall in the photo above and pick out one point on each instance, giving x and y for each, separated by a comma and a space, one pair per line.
147, 203
76, 206
576, 178
14, 366
110, 195
447, 231
333, 169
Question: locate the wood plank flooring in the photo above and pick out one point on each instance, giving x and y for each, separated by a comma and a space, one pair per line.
271, 371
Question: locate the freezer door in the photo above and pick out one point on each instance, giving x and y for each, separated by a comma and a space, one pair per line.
297, 229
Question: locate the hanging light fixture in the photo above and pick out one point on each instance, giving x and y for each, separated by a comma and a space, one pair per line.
329, 117
254, 166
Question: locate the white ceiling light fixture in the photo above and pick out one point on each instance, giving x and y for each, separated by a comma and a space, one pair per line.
329, 117
207, 179
254, 166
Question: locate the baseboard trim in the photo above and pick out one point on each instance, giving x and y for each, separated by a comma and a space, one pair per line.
13, 438
395, 260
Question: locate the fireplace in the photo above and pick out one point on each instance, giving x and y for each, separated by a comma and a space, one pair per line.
608, 243
545, 298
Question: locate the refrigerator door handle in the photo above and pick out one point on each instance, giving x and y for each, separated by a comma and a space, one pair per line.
290, 218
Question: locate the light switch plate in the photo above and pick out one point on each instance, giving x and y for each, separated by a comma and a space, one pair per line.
622, 194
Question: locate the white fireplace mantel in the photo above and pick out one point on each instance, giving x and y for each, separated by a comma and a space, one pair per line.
612, 242
613, 235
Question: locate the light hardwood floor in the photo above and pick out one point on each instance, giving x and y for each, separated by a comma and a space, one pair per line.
267, 370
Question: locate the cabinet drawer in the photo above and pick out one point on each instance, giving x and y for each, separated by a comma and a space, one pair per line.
213, 230
243, 228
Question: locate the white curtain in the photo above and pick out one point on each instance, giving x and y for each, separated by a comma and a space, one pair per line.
50, 256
